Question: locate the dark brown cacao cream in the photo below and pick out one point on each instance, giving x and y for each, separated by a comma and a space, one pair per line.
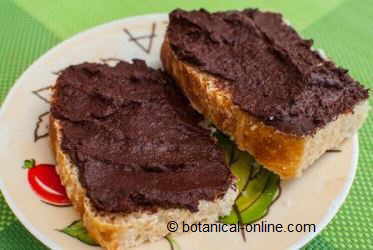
270, 71
135, 139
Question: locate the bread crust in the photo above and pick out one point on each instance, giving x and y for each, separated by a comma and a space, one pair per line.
115, 231
285, 154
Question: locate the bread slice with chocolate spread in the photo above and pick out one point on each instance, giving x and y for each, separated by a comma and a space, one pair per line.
258, 81
132, 156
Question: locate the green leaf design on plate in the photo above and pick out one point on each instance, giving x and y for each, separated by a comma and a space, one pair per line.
173, 244
254, 188
242, 169
260, 207
227, 145
258, 187
78, 231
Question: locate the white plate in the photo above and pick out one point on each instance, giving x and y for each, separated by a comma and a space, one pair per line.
315, 198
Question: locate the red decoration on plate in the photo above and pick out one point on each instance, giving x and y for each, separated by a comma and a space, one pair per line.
46, 183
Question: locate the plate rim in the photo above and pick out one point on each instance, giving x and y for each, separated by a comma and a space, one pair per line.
333, 209
338, 201
17, 84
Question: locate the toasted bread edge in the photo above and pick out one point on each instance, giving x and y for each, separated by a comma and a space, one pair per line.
116, 231
285, 154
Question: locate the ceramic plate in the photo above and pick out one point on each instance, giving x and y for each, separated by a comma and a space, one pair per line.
313, 199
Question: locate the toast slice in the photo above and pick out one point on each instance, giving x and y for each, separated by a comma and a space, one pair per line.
285, 153
130, 227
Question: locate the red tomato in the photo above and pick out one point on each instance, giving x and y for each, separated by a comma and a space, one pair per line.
46, 183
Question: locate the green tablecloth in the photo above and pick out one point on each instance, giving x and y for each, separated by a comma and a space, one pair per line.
343, 28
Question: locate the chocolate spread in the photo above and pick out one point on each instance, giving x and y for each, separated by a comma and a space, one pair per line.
135, 139
270, 71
